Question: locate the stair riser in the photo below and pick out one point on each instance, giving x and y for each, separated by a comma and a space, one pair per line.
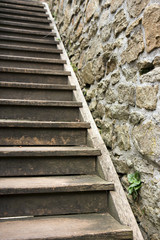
53, 204
39, 113
29, 44
28, 35
23, 13
31, 65
29, 53
50, 166
33, 78
24, 19
35, 94
42, 136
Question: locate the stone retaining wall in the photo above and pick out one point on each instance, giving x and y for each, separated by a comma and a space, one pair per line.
114, 47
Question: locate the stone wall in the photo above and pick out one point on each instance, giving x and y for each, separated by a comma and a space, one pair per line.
114, 48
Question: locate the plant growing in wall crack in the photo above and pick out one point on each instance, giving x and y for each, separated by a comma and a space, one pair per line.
135, 184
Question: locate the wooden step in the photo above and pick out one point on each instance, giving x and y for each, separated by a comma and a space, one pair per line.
35, 133
23, 13
67, 111
53, 195
31, 63
75, 227
24, 91
55, 184
27, 33
37, 4
22, 7
48, 151
35, 161
25, 25
29, 42
25, 19
6, 49
34, 75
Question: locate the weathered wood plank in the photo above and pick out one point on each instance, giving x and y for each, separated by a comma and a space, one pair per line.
21, 7
34, 185
53, 204
42, 136
40, 113
48, 151
25, 3
25, 18
79, 227
49, 166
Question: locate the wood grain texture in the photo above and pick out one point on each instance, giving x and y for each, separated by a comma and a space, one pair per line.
21, 7
47, 166
48, 151
23, 13
25, 18
84, 227
25, 25
42, 136
54, 184
53, 204
28, 3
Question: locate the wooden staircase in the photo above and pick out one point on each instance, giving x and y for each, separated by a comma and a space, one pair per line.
50, 187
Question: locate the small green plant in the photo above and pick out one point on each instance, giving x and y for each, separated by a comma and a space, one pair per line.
135, 184
75, 69
54, 15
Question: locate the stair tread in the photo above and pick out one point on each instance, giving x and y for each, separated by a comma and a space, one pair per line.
37, 86
49, 151
23, 12
32, 59
40, 103
28, 3
29, 40
42, 124
21, 7
79, 226
25, 18
21, 24
35, 71
27, 48
25, 31
21, 185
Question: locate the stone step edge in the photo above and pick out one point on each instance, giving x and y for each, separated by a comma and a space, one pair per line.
37, 86
29, 185
48, 151
29, 49
42, 124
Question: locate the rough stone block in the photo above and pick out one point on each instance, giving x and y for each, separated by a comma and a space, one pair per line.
147, 140
135, 7
146, 97
151, 23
